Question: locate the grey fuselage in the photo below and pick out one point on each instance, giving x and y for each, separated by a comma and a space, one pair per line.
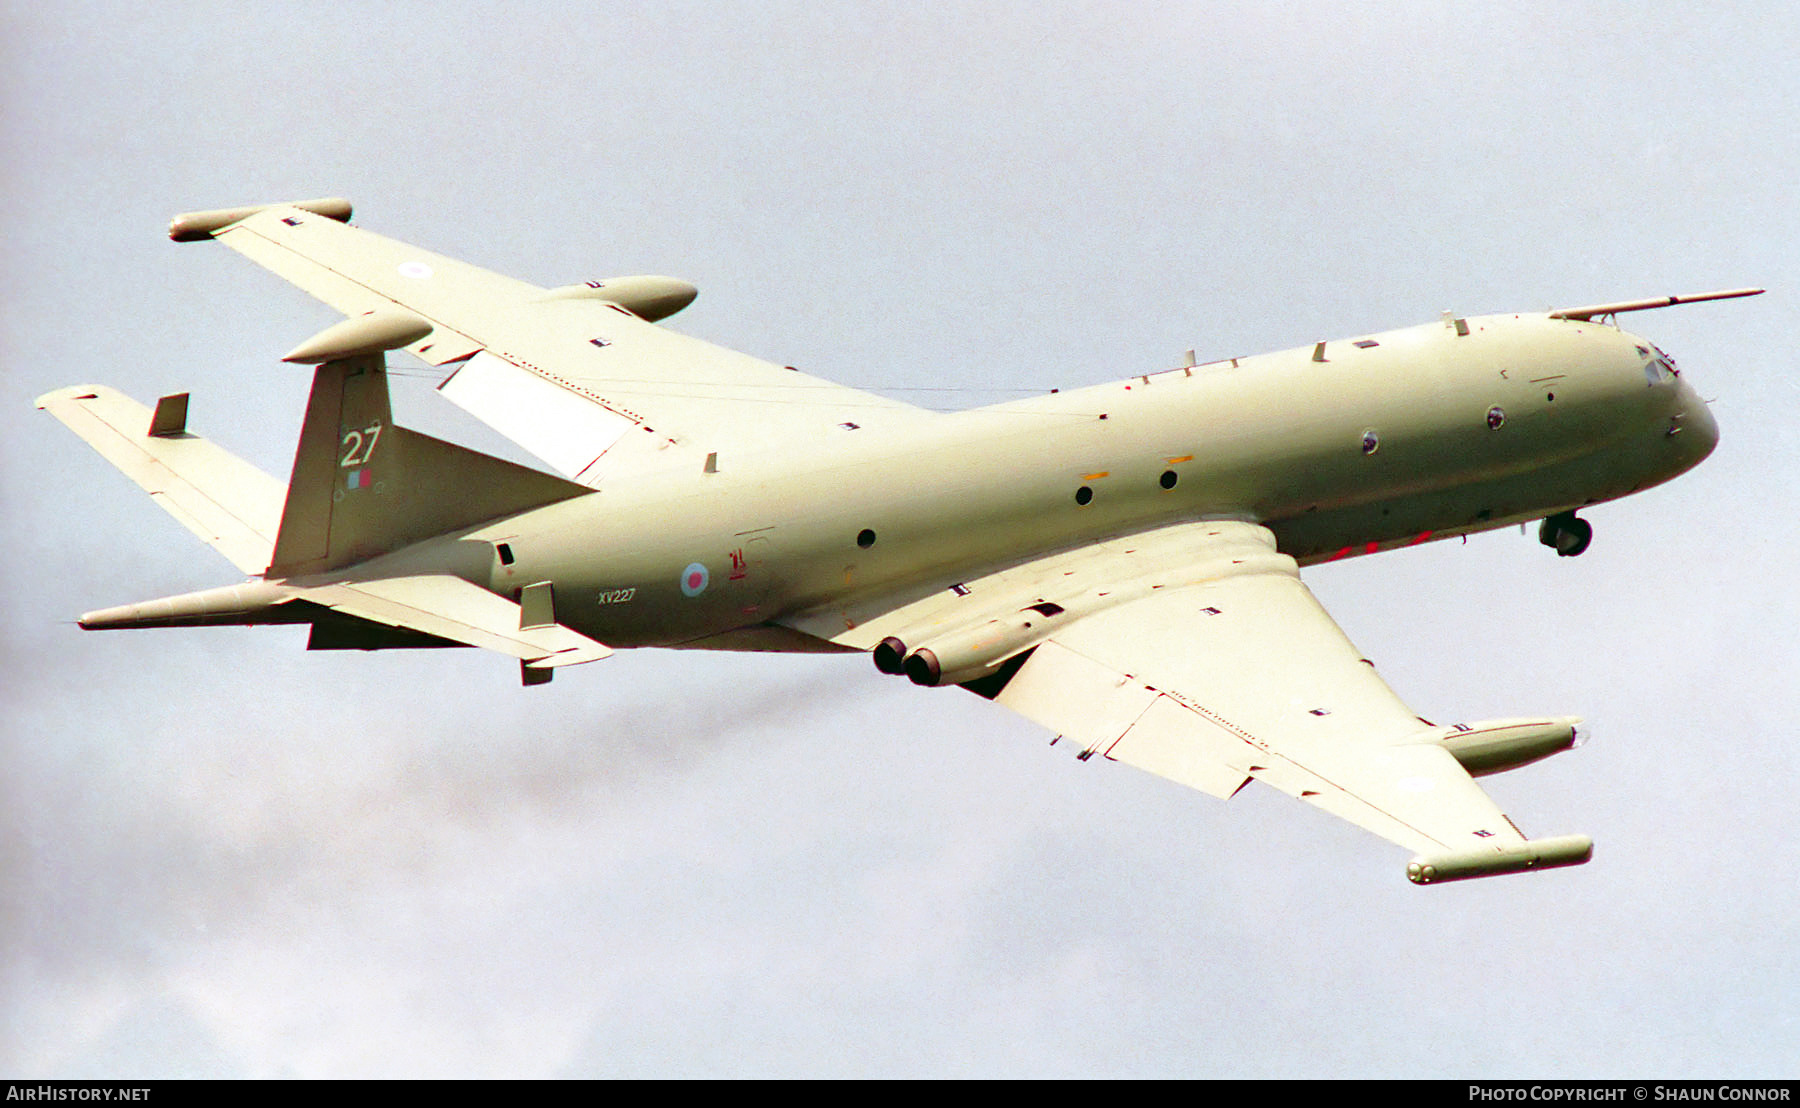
1359, 446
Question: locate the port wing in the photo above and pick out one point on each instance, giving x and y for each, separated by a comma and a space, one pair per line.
1195, 652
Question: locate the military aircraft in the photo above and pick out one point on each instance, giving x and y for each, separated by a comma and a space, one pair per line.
1118, 563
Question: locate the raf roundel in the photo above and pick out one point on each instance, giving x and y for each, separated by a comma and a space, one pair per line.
693, 579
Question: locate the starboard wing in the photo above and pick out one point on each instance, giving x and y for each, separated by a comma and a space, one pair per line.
593, 389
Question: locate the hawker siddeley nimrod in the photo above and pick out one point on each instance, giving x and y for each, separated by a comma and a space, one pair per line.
1118, 563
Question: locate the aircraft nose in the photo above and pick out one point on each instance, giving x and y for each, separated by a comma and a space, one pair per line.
1695, 424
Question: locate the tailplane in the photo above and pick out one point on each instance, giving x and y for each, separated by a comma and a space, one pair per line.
361, 487
233, 506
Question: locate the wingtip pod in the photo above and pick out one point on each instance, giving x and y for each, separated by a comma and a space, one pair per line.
200, 226
1567, 850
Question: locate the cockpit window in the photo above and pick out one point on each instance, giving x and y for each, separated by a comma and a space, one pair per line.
1658, 367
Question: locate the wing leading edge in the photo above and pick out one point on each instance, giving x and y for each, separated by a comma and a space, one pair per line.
1196, 653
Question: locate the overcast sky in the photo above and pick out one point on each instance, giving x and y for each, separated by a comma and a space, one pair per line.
224, 855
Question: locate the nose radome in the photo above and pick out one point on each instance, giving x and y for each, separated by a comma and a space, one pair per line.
1699, 422
1692, 426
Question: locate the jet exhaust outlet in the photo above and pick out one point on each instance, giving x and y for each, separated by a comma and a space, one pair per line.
922, 667
890, 656
975, 652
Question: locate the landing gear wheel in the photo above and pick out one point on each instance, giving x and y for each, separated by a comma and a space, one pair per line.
1567, 534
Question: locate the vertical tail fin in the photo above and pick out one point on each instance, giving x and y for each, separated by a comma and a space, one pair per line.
363, 487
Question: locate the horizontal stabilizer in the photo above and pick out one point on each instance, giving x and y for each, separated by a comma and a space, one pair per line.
232, 505
567, 431
454, 609
444, 608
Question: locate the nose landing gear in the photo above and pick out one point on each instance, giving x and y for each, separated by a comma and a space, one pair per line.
1566, 534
